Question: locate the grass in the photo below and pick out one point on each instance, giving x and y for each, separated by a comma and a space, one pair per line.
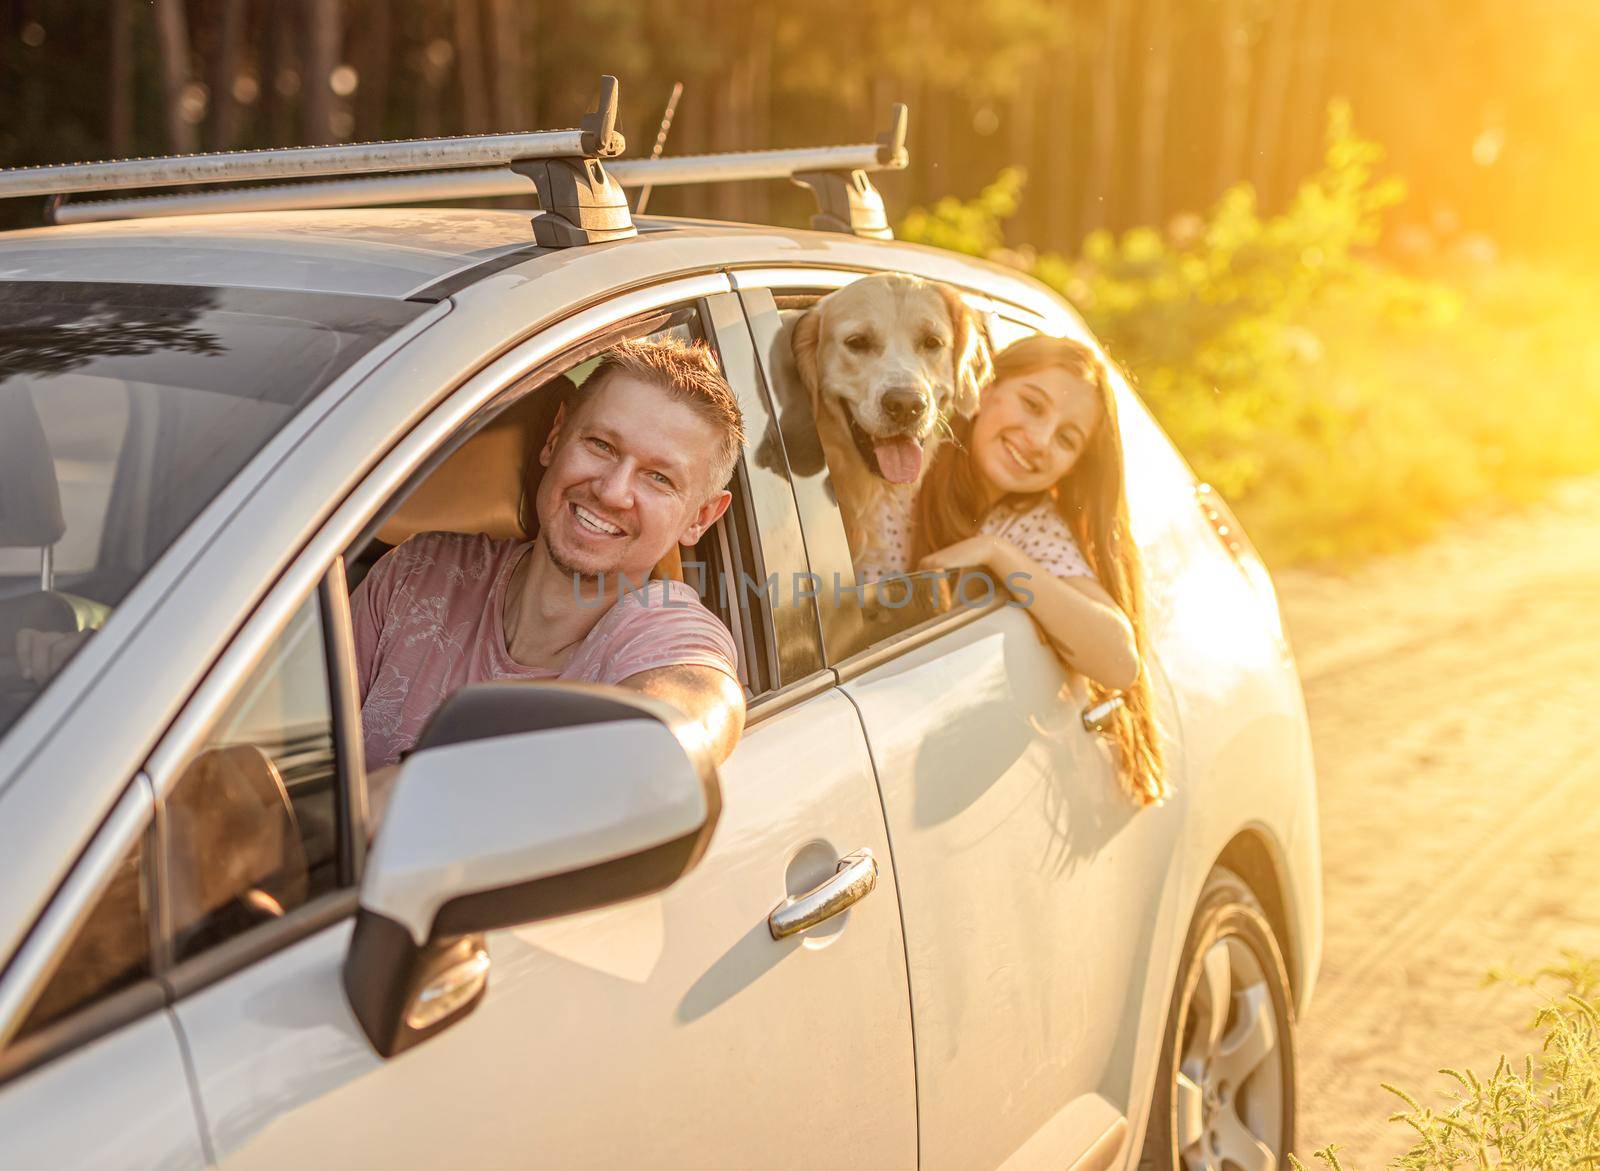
1345, 407
1539, 1114
1409, 419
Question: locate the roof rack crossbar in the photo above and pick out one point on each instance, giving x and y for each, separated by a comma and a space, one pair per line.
298, 162
480, 183
425, 187
573, 185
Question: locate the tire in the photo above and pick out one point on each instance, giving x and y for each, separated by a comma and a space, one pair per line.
1224, 1098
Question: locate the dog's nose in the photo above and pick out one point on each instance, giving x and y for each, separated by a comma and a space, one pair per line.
904, 406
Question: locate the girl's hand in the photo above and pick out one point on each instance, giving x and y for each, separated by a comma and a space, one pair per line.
982, 549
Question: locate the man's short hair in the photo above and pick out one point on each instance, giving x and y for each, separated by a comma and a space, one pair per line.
689, 372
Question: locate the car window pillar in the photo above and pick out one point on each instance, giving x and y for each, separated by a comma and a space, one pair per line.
776, 548
339, 644
821, 522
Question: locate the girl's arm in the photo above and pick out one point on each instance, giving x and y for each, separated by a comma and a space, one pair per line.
1075, 613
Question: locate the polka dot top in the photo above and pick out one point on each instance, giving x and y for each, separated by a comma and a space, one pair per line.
886, 543
1038, 531
1041, 534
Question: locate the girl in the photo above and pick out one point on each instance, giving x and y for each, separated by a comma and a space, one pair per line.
1033, 485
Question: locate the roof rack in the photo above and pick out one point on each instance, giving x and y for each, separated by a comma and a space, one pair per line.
576, 174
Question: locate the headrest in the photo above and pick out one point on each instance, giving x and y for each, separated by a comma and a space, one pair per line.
30, 498
486, 485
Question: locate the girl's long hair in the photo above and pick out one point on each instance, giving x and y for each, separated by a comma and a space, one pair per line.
1092, 501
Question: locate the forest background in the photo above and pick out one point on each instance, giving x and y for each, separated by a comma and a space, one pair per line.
1346, 249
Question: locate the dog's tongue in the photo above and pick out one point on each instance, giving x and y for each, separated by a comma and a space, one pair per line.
899, 460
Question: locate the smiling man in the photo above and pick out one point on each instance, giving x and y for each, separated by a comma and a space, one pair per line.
636, 463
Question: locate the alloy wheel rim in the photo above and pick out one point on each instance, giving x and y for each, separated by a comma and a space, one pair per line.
1230, 1083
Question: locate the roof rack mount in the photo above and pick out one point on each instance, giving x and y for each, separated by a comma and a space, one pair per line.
576, 173
579, 202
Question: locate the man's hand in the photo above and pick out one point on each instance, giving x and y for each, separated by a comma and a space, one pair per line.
41, 653
380, 787
711, 699
713, 702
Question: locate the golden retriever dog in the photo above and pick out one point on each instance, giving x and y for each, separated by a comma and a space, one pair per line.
887, 361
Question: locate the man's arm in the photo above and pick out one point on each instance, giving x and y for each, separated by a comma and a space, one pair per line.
711, 699
713, 702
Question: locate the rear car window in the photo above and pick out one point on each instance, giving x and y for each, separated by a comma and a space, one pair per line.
124, 409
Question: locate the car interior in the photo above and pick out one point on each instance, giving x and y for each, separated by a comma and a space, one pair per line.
260, 819
487, 483
32, 521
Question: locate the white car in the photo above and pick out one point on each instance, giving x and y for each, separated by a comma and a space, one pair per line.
912, 922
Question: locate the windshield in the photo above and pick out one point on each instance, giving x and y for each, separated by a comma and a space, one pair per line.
124, 409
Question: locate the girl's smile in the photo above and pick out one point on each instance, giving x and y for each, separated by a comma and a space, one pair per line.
1030, 430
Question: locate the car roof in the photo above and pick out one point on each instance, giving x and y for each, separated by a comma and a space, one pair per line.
384, 252
411, 253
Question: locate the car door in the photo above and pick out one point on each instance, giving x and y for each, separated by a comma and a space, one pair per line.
671, 1030
91, 1074
1029, 883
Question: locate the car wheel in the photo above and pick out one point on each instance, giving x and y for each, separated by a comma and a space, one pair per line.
1224, 1097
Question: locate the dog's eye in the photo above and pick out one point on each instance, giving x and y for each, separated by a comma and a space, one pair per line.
933, 342
858, 343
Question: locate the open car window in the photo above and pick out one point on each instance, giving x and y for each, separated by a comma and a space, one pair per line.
486, 478
859, 611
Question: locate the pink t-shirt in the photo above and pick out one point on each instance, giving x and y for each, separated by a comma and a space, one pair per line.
427, 622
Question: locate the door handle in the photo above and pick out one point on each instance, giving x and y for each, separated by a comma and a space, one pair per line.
1097, 716
854, 880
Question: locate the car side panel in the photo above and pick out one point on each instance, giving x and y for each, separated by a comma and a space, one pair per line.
1031, 889
662, 1032
121, 1103
1238, 708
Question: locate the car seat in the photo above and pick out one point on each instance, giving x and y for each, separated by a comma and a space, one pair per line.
237, 857
31, 517
487, 484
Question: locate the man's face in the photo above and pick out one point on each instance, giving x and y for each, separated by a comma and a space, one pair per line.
625, 480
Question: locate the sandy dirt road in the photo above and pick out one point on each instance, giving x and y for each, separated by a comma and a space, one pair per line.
1454, 695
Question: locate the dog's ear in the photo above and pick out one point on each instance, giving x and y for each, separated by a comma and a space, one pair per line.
800, 443
970, 352
804, 342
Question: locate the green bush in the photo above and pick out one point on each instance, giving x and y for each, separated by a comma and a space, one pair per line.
1343, 406
1542, 1116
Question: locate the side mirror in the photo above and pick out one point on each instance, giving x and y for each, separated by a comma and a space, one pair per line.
521, 802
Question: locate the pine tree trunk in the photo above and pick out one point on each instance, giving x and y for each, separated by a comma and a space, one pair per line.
1311, 97
1235, 63
1023, 136
470, 67
1101, 179
727, 116
119, 109
377, 47
1061, 144
505, 20
1154, 99
430, 92
322, 36
763, 22
172, 38
224, 71
275, 40
1266, 162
